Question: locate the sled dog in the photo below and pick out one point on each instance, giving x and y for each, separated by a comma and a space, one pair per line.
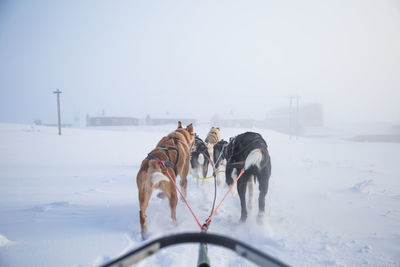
249, 151
200, 158
212, 138
170, 156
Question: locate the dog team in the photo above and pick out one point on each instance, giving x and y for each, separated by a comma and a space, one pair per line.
182, 149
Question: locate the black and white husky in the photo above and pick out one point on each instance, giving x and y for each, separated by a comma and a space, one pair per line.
200, 158
219, 158
249, 151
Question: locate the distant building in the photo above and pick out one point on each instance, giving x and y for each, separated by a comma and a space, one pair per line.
111, 121
40, 123
163, 121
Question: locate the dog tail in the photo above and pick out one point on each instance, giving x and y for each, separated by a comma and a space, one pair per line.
155, 172
158, 177
254, 158
200, 159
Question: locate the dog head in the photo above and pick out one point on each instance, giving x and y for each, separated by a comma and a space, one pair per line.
190, 130
213, 136
215, 131
188, 133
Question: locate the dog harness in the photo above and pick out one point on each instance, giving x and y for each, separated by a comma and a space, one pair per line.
233, 152
200, 150
168, 163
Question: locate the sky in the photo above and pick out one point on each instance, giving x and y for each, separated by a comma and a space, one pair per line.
199, 58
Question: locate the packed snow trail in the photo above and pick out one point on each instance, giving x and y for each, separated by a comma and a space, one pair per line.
71, 200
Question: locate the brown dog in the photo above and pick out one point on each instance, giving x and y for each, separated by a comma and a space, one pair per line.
212, 138
171, 156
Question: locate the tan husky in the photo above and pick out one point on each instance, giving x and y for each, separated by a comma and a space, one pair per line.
172, 155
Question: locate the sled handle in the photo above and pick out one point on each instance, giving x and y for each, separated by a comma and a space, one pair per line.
256, 256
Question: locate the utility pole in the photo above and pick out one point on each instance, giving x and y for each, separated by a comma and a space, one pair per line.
58, 92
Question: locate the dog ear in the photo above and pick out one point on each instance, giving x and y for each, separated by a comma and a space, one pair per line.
179, 124
190, 128
218, 129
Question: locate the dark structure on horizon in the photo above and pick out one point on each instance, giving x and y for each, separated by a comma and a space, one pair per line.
111, 121
163, 121
283, 119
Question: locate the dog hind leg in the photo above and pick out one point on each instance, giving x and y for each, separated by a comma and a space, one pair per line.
144, 194
233, 177
263, 186
144, 197
173, 201
241, 187
183, 178
250, 185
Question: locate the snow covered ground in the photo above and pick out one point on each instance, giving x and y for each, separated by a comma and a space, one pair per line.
71, 200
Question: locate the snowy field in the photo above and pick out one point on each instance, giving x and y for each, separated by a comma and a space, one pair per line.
71, 200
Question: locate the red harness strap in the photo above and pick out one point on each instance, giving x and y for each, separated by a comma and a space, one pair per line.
164, 168
205, 225
230, 188
162, 163
184, 199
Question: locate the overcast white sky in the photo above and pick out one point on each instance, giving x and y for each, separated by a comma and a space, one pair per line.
198, 58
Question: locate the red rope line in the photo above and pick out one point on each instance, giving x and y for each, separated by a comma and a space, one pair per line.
205, 226
230, 188
184, 199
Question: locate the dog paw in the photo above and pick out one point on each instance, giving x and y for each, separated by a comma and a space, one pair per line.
229, 181
242, 220
174, 223
145, 235
234, 192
